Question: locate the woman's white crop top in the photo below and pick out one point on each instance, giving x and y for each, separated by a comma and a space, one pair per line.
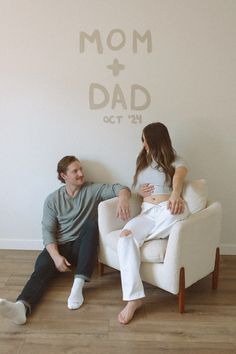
156, 177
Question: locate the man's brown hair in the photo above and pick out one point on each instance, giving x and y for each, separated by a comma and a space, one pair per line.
63, 165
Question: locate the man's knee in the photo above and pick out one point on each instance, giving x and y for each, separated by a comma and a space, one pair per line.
125, 233
90, 225
90, 230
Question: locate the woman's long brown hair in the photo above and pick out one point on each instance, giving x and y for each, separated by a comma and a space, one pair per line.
160, 150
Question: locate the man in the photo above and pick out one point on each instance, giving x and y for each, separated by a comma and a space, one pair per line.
70, 237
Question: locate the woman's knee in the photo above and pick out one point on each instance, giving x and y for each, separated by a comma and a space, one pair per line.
125, 233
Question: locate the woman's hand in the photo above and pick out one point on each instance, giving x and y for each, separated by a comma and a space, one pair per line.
145, 190
175, 204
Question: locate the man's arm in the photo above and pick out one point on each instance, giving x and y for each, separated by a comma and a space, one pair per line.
123, 208
107, 191
50, 229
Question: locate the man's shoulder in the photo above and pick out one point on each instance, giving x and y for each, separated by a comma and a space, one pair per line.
90, 187
55, 195
87, 184
94, 187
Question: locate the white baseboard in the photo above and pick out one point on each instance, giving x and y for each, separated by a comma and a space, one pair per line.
228, 249
21, 244
225, 249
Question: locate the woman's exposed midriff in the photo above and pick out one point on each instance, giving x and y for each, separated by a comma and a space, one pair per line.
156, 199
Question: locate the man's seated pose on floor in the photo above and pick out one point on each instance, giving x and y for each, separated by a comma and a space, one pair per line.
70, 237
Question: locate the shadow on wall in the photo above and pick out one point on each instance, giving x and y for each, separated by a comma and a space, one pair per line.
95, 171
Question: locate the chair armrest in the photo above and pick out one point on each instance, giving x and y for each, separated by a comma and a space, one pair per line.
107, 220
192, 243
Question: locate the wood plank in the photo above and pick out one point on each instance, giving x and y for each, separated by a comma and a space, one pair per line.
207, 327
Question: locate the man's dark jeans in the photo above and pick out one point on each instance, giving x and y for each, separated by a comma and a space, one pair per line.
81, 253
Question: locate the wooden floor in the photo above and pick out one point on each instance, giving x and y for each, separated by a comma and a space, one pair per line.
208, 326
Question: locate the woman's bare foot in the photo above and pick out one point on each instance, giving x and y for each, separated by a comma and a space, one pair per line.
126, 315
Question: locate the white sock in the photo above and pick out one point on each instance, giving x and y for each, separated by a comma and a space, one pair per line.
75, 300
15, 311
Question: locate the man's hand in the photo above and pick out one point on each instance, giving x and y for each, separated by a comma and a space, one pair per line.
145, 190
123, 208
61, 263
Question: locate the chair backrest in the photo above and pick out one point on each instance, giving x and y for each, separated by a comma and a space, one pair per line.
195, 193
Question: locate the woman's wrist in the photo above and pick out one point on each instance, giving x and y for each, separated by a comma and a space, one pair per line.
175, 195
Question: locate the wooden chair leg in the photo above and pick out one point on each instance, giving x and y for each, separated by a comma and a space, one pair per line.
215, 278
181, 295
100, 267
215, 274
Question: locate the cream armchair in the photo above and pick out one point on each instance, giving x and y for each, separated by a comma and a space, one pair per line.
190, 253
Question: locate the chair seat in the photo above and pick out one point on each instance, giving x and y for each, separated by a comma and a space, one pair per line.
151, 252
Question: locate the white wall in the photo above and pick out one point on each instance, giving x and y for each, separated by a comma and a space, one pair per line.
44, 98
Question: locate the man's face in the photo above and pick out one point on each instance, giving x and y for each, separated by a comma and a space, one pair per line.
74, 174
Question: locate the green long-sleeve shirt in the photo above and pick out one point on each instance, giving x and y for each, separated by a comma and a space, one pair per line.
63, 215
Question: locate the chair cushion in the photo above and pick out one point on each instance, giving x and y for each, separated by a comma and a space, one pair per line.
195, 193
152, 251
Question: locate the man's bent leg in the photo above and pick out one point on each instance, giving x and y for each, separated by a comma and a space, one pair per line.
85, 250
84, 256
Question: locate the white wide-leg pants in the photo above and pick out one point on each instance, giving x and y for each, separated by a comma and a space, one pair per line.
154, 222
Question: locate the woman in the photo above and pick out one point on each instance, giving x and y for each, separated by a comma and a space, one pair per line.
159, 178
